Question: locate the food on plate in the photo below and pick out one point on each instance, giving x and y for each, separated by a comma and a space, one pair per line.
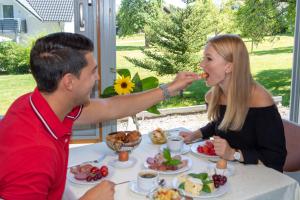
166, 194
203, 75
123, 156
117, 139
195, 183
221, 164
164, 161
158, 136
88, 172
219, 180
207, 148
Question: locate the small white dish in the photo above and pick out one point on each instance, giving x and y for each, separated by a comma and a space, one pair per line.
71, 177
134, 188
122, 164
229, 171
185, 149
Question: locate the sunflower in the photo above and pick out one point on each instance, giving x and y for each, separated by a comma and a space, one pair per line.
123, 85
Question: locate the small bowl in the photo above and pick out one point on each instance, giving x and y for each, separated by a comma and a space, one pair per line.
123, 140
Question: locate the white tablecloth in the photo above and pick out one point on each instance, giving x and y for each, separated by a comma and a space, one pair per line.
248, 182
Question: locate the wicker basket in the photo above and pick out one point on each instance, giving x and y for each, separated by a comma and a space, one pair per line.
120, 145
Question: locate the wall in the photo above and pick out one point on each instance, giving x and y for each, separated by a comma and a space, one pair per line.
35, 27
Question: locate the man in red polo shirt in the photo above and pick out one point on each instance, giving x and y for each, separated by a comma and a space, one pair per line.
35, 132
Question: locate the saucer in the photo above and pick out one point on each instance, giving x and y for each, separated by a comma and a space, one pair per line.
122, 164
134, 188
185, 149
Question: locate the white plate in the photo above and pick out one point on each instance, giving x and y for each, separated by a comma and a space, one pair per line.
217, 193
118, 164
71, 176
134, 188
227, 172
184, 150
202, 143
189, 166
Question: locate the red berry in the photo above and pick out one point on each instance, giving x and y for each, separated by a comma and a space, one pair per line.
94, 170
104, 171
89, 178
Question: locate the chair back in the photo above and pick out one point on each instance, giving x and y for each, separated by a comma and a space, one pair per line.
292, 137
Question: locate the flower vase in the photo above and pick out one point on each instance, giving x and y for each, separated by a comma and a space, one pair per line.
133, 123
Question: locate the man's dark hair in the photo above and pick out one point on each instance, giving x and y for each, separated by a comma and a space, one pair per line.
57, 54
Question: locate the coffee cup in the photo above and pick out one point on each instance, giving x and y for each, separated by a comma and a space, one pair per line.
147, 180
175, 143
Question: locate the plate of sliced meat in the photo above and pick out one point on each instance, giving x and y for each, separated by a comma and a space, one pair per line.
164, 163
88, 173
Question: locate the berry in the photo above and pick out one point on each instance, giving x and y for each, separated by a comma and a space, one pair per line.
89, 179
99, 176
104, 171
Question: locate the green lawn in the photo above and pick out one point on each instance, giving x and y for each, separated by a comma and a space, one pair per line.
271, 66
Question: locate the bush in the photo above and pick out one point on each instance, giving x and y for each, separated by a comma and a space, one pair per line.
14, 58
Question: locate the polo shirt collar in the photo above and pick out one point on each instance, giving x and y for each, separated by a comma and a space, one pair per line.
40, 106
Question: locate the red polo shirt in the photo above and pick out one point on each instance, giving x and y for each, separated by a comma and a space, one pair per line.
34, 148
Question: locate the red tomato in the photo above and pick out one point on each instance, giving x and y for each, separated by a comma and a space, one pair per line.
104, 171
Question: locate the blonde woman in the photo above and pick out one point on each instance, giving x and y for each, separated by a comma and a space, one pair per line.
243, 118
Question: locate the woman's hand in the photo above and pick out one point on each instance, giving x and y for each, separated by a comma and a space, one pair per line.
222, 148
188, 136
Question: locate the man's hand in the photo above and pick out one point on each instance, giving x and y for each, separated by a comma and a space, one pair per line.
181, 81
222, 148
103, 191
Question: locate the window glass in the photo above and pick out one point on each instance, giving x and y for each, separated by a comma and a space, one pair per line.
8, 11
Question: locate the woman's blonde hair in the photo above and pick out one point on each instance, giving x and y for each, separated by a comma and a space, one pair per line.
232, 49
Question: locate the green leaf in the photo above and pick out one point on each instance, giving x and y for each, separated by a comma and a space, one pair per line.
109, 92
149, 83
181, 186
153, 109
167, 154
206, 188
207, 181
173, 162
202, 176
138, 83
124, 72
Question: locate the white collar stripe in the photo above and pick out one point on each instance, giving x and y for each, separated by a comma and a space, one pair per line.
79, 112
42, 119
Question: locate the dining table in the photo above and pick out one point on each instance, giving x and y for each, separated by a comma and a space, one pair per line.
255, 182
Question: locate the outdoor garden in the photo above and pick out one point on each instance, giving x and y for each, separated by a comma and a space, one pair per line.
159, 40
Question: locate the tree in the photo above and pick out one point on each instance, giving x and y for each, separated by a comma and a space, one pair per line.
257, 19
224, 17
176, 39
135, 14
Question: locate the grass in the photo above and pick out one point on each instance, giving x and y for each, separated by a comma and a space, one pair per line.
271, 64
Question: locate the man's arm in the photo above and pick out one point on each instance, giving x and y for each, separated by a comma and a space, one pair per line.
99, 110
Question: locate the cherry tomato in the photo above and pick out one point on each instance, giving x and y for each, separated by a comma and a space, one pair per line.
104, 171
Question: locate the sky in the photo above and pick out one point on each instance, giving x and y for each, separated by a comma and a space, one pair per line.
174, 2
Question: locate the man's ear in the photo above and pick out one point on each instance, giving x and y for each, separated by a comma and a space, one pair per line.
67, 81
228, 68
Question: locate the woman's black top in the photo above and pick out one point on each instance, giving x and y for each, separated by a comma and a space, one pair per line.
261, 137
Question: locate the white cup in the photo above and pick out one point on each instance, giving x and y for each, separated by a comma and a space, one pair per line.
147, 180
175, 143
